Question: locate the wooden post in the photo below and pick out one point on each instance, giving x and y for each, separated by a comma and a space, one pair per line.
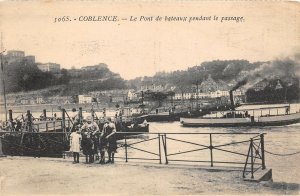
80, 115
63, 122
252, 160
63, 119
159, 150
69, 126
29, 121
262, 143
45, 114
93, 114
10, 116
164, 140
126, 158
54, 126
211, 151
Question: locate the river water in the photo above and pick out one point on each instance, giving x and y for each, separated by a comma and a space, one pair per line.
280, 140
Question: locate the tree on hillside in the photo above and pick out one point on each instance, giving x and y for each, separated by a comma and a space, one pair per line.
25, 76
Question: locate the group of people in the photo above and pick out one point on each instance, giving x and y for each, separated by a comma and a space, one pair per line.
91, 140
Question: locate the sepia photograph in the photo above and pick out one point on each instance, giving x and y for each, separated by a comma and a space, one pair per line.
149, 97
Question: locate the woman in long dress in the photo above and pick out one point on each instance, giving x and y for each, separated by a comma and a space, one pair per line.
75, 143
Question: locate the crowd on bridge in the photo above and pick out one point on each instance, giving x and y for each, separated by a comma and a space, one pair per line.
92, 141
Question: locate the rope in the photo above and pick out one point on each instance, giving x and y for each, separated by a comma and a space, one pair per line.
276, 154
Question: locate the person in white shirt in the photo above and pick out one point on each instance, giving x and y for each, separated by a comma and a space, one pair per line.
75, 144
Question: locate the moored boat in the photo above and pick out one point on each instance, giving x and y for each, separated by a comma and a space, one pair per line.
243, 118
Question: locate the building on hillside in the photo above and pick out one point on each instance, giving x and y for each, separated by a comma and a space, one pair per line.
260, 85
152, 87
28, 101
190, 93
59, 100
84, 99
132, 96
40, 100
219, 93
117, 99
239, 92
15, 53
49, 67
210, 85
30, 59
13, 56
94, 67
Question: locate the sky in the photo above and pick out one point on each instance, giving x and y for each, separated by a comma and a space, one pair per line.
268, 30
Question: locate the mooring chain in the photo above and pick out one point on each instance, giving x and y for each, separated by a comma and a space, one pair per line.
276, 154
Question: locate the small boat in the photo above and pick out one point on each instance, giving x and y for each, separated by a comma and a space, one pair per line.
243, 118
141, 128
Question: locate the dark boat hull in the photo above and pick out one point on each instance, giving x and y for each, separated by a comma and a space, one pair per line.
129, 131
33, 144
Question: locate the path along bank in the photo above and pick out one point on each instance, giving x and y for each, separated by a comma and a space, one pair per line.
27, 175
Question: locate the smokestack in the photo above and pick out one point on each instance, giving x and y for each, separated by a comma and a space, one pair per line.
231, 98
238, 85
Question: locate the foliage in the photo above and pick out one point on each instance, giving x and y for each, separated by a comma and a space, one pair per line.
25, 76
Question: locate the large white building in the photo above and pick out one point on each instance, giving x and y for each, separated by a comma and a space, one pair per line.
49, 67
94, 67
17, 56
84, 99
214, 94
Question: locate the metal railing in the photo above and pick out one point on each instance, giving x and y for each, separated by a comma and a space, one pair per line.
255, 158
255, 151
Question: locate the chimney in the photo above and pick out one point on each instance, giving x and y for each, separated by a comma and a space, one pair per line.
231, 98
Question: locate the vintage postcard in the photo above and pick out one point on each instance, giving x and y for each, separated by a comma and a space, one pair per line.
149, 97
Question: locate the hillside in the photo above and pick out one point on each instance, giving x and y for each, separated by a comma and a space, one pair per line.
228, 74
235, 74
25, 78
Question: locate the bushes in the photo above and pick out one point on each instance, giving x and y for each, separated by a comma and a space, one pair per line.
26, 76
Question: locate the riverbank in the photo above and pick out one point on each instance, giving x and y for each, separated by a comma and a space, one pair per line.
52, 176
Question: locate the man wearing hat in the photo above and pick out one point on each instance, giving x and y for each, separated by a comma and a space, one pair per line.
75, 143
